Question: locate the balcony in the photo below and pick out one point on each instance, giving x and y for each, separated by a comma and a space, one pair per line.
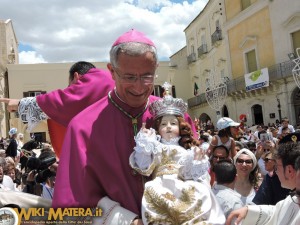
191, 58
202, 50
198, 100
276, 72
216, 37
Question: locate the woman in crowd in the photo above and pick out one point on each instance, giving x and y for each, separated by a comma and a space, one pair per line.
227, 129
247, 180
11, 171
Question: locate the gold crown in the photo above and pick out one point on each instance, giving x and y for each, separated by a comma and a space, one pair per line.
167, 105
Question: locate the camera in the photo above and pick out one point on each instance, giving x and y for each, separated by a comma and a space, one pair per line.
40, 167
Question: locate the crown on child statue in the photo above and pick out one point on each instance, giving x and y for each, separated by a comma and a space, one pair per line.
168, 104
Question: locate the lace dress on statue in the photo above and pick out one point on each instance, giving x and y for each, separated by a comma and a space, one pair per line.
179, 192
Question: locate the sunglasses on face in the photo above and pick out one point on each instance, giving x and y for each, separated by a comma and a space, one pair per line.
267, 159
247, 161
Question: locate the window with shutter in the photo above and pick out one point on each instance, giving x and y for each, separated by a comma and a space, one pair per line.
251, 61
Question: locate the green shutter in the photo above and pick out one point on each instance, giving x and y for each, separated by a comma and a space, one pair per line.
251, 61
296, 40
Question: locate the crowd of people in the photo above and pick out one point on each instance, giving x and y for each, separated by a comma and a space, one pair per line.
140, 157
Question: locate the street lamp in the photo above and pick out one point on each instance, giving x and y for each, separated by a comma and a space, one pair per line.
279, 109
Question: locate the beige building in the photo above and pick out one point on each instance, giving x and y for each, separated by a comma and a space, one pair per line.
253, 35
8, 55
206, 56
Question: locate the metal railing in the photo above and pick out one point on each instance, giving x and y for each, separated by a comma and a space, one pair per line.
202, 50
276, 72
216, 36
191, 58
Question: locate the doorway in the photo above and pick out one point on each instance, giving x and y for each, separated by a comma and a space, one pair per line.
257, 114
225, 111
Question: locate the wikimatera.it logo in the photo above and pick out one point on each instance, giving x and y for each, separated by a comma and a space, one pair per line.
49, 216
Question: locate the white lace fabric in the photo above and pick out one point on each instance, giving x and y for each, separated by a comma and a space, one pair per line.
146, 146
193, 169
148, 154
29, 111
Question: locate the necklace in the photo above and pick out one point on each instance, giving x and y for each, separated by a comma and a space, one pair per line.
133, 119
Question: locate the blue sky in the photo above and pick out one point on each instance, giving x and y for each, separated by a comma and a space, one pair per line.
72, 30
24, 47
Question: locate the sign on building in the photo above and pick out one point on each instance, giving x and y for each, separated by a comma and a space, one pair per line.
257, 79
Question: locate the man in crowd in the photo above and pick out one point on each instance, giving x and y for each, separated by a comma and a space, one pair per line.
94, 168
287, 211
228, 199
285, 124
87, 85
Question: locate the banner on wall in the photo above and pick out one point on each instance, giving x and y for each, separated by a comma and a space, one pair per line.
257, 79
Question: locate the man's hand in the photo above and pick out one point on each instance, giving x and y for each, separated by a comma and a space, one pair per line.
12, 104
31, 176
239, 214
259, 150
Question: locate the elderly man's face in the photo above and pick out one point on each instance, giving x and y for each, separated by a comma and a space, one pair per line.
134, 94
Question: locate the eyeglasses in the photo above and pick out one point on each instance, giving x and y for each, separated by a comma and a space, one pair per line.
131, 79
247, 161
297, 195
267, 159
219, 157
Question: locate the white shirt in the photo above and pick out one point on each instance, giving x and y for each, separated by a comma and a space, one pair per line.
47, 192
291, 128
261, 165
7, 183
285, 212
228, 199
248, 199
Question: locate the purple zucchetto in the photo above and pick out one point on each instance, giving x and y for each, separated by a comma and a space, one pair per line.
133, 36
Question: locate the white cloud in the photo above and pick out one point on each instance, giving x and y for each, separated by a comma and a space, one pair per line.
30, 57
72, 30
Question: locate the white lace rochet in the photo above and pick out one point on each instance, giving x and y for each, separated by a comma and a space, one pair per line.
29, 111
149, 149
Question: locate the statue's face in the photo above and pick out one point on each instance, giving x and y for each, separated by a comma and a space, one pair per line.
169, 127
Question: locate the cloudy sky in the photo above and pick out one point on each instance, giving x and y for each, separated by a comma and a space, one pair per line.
71, 30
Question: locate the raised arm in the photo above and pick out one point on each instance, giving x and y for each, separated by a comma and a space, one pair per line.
12, 104
63, 105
